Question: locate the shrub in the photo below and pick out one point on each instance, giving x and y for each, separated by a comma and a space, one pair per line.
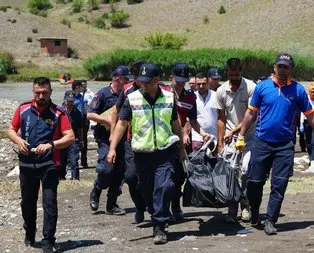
134, 1
81, 19
93, 4
42, 13
72, 53
119, 18
61, 1
35, 30
158, 40
29, 39
205, 19
3, 8
98, 22
222, 10
77, 6
66, 22
6, 65
39, 4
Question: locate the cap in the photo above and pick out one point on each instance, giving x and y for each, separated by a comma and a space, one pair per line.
213, 73
180, 71
147, 72
121, 71
69, 95
285, 59
135, 67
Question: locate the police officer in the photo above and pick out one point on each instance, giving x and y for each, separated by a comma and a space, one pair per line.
71, 154
40, 129
108, 176
152, 113
187, 113
131, 176
275, 101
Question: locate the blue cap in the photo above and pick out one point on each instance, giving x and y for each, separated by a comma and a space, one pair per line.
69, 95
180, 71
213, 73
147, 72
285, 59
121, 71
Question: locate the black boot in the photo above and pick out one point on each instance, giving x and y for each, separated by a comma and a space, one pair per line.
94, 198
30, 232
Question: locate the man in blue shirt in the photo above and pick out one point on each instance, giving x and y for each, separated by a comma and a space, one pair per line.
274, 104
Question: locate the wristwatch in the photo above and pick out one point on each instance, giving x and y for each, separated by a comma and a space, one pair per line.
52, 144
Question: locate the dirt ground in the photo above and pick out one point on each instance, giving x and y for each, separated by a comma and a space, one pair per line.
203, 230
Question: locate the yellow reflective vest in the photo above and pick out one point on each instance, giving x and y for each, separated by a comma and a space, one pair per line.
151, 124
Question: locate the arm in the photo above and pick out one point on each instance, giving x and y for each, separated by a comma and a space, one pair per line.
249, 117
310, 119
12, 134
178, 131
221, 127
114, 120
117, 135
196, 126
97, 118
186, 133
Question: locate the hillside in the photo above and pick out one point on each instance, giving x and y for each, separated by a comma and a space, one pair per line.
254, 24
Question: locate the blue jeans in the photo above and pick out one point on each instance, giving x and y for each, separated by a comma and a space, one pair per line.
267, 156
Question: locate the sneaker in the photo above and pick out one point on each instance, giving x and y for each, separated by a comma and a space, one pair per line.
116, 210
246, 215
310, 169
139, 216
160, 237
47, 247
29, 241
94, 198
177, 213
269, 228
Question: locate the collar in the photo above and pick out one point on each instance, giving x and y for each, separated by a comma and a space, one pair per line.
228, 88
279, 84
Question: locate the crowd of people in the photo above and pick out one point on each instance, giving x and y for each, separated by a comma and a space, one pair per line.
145, 129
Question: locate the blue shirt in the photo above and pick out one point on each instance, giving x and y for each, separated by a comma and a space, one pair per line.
277, 107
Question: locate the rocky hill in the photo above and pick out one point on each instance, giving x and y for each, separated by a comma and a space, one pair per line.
254, 24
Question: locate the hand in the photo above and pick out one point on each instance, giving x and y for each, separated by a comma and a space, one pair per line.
220, 148
206, 137
240, 144
186, 140
42, 148
111, 157
23, 146
301, 129
228, 137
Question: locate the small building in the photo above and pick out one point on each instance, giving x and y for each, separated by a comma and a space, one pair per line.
54, 46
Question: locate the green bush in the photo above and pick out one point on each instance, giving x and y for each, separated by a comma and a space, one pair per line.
257, 63
39, 4
222, 10
42, 13
93, 4
72, 53
205, 19
158, 40
98, 22
134, 1
61, 1
6, 65
35, 30
77, 6
29, 39
119, 18
66, 22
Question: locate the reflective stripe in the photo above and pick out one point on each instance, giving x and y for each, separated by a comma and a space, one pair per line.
184, 105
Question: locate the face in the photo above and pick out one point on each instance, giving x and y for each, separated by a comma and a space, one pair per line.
234, 76
118, 82
69, 103
149, 87
192, 84
42, 94
202, 85
282, 72
177, 84
213, 83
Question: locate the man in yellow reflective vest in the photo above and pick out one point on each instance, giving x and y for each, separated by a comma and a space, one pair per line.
156, 133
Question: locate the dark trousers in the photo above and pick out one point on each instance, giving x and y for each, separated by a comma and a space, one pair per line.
265, 156
156, 183
86, 123
70, 156
29, 182
109, 176
131, 177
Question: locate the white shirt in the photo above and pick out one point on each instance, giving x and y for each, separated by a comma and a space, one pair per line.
206, 114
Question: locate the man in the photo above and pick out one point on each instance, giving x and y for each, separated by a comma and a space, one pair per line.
213, 79
40, 129
187, 115
232, 101
71, 154
275, 101
87, 96
108, 176
192, 84
206, 110
152, 114
131, 175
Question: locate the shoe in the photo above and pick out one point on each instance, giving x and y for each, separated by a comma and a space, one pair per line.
255, 220
177, 213
94, 198
47, 247
245, 214
160, 237
269, 228
139, 216
116, 210
29, 241
310, 169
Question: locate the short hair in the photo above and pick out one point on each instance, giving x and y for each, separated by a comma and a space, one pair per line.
40, 81
234, 64
200, 75
83, 81
76, 83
